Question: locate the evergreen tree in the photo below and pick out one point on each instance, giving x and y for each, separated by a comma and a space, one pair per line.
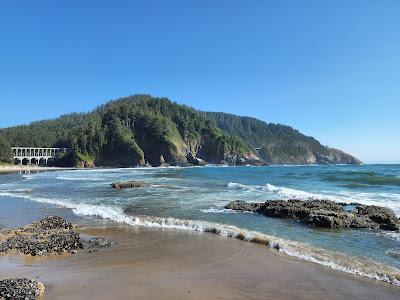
6, 154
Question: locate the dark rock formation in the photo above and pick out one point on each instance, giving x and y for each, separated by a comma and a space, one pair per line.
20, 288
129, 184
324, 213
99, 242
194, 160
50, 235
53, 222
95, 244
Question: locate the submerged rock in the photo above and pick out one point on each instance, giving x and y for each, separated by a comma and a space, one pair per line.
129, 184
324, 213
99, 242
20, 288
95, 244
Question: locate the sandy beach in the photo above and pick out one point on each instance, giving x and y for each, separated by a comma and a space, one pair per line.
150, 264
29, 168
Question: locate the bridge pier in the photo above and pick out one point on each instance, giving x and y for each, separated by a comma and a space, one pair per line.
37, 156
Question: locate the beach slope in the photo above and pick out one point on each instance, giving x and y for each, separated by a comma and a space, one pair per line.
151, 264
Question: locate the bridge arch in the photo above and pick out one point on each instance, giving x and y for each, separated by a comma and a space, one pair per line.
36, 155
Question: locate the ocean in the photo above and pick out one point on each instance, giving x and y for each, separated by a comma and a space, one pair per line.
193, 199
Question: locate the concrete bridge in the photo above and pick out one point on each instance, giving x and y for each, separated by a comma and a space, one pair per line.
30, 155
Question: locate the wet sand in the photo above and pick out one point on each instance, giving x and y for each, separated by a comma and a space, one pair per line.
169, 264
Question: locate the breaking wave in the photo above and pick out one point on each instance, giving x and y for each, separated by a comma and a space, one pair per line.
388, 200
338, 261
284, 192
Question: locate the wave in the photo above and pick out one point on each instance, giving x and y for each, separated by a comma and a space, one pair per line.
298, 194
235, 185
394, 252
389, 200
395, 236
219, 210
362, 177
79, 178
339, 261
284, 192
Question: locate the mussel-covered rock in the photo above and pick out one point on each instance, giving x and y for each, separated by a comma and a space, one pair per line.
53, 222
50, 235
20, 288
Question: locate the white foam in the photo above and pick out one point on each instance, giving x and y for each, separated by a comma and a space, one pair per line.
239, 186
80, 178
321, 256
393, 235
219, 210
394, 252
389, 200
297, 194
284, 192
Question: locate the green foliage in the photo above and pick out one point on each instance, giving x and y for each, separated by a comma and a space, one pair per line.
119, 148
276, 139
138, 129
43, 133
6, 153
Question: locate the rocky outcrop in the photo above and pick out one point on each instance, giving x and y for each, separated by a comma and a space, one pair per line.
335, 156
129, 184
194, 160
50, 235
20, 288
276, 154
324, 213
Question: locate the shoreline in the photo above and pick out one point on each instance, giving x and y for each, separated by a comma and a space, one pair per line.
106, 216
17, 212
170, 264
30, 168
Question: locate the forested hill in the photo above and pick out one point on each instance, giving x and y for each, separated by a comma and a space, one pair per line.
278, 144
143, 130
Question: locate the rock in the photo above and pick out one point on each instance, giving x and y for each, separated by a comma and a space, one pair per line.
34, 240
50, 235
324, 213
64, 242
53, 222
386, 218
194, 160
94, 251
99, 242
129, 184
20, 288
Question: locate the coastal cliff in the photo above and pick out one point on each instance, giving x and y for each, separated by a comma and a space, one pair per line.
277, 143
142, 130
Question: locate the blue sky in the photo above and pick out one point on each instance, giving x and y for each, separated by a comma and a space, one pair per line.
328, 68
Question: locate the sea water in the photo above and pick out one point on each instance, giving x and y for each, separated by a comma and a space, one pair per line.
193, 198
